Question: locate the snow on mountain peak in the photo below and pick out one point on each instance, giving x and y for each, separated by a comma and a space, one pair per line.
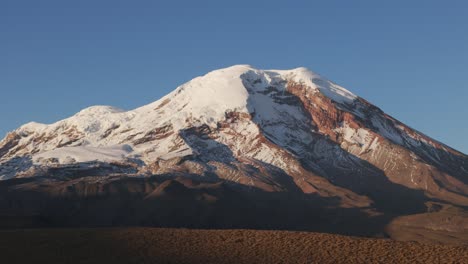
152, 129
315, 81
299, 75
99, 110
31, 126
207, 98
227, 85
203, 100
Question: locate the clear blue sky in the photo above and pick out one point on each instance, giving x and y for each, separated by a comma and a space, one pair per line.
410, 58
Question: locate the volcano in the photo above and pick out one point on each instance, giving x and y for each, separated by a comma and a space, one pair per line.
238, 148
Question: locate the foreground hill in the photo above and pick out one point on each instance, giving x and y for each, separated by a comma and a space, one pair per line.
152, 245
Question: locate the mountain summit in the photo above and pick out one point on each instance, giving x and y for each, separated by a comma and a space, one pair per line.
276, 131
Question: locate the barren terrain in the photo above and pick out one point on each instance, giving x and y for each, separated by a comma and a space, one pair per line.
158, 245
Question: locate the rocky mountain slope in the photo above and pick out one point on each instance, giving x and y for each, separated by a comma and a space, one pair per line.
273, 132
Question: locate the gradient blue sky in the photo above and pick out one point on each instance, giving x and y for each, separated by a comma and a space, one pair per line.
410, 58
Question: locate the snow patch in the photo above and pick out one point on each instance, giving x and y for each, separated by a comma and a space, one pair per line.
315, 81
68, 155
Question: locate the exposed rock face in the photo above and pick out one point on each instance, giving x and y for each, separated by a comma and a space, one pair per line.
275, 131
358, 129
9, 142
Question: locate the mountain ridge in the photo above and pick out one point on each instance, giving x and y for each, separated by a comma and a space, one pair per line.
279, 132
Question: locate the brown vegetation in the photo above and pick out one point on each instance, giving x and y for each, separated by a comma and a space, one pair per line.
156, 245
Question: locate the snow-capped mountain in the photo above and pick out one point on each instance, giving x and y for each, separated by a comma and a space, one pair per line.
275, 130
